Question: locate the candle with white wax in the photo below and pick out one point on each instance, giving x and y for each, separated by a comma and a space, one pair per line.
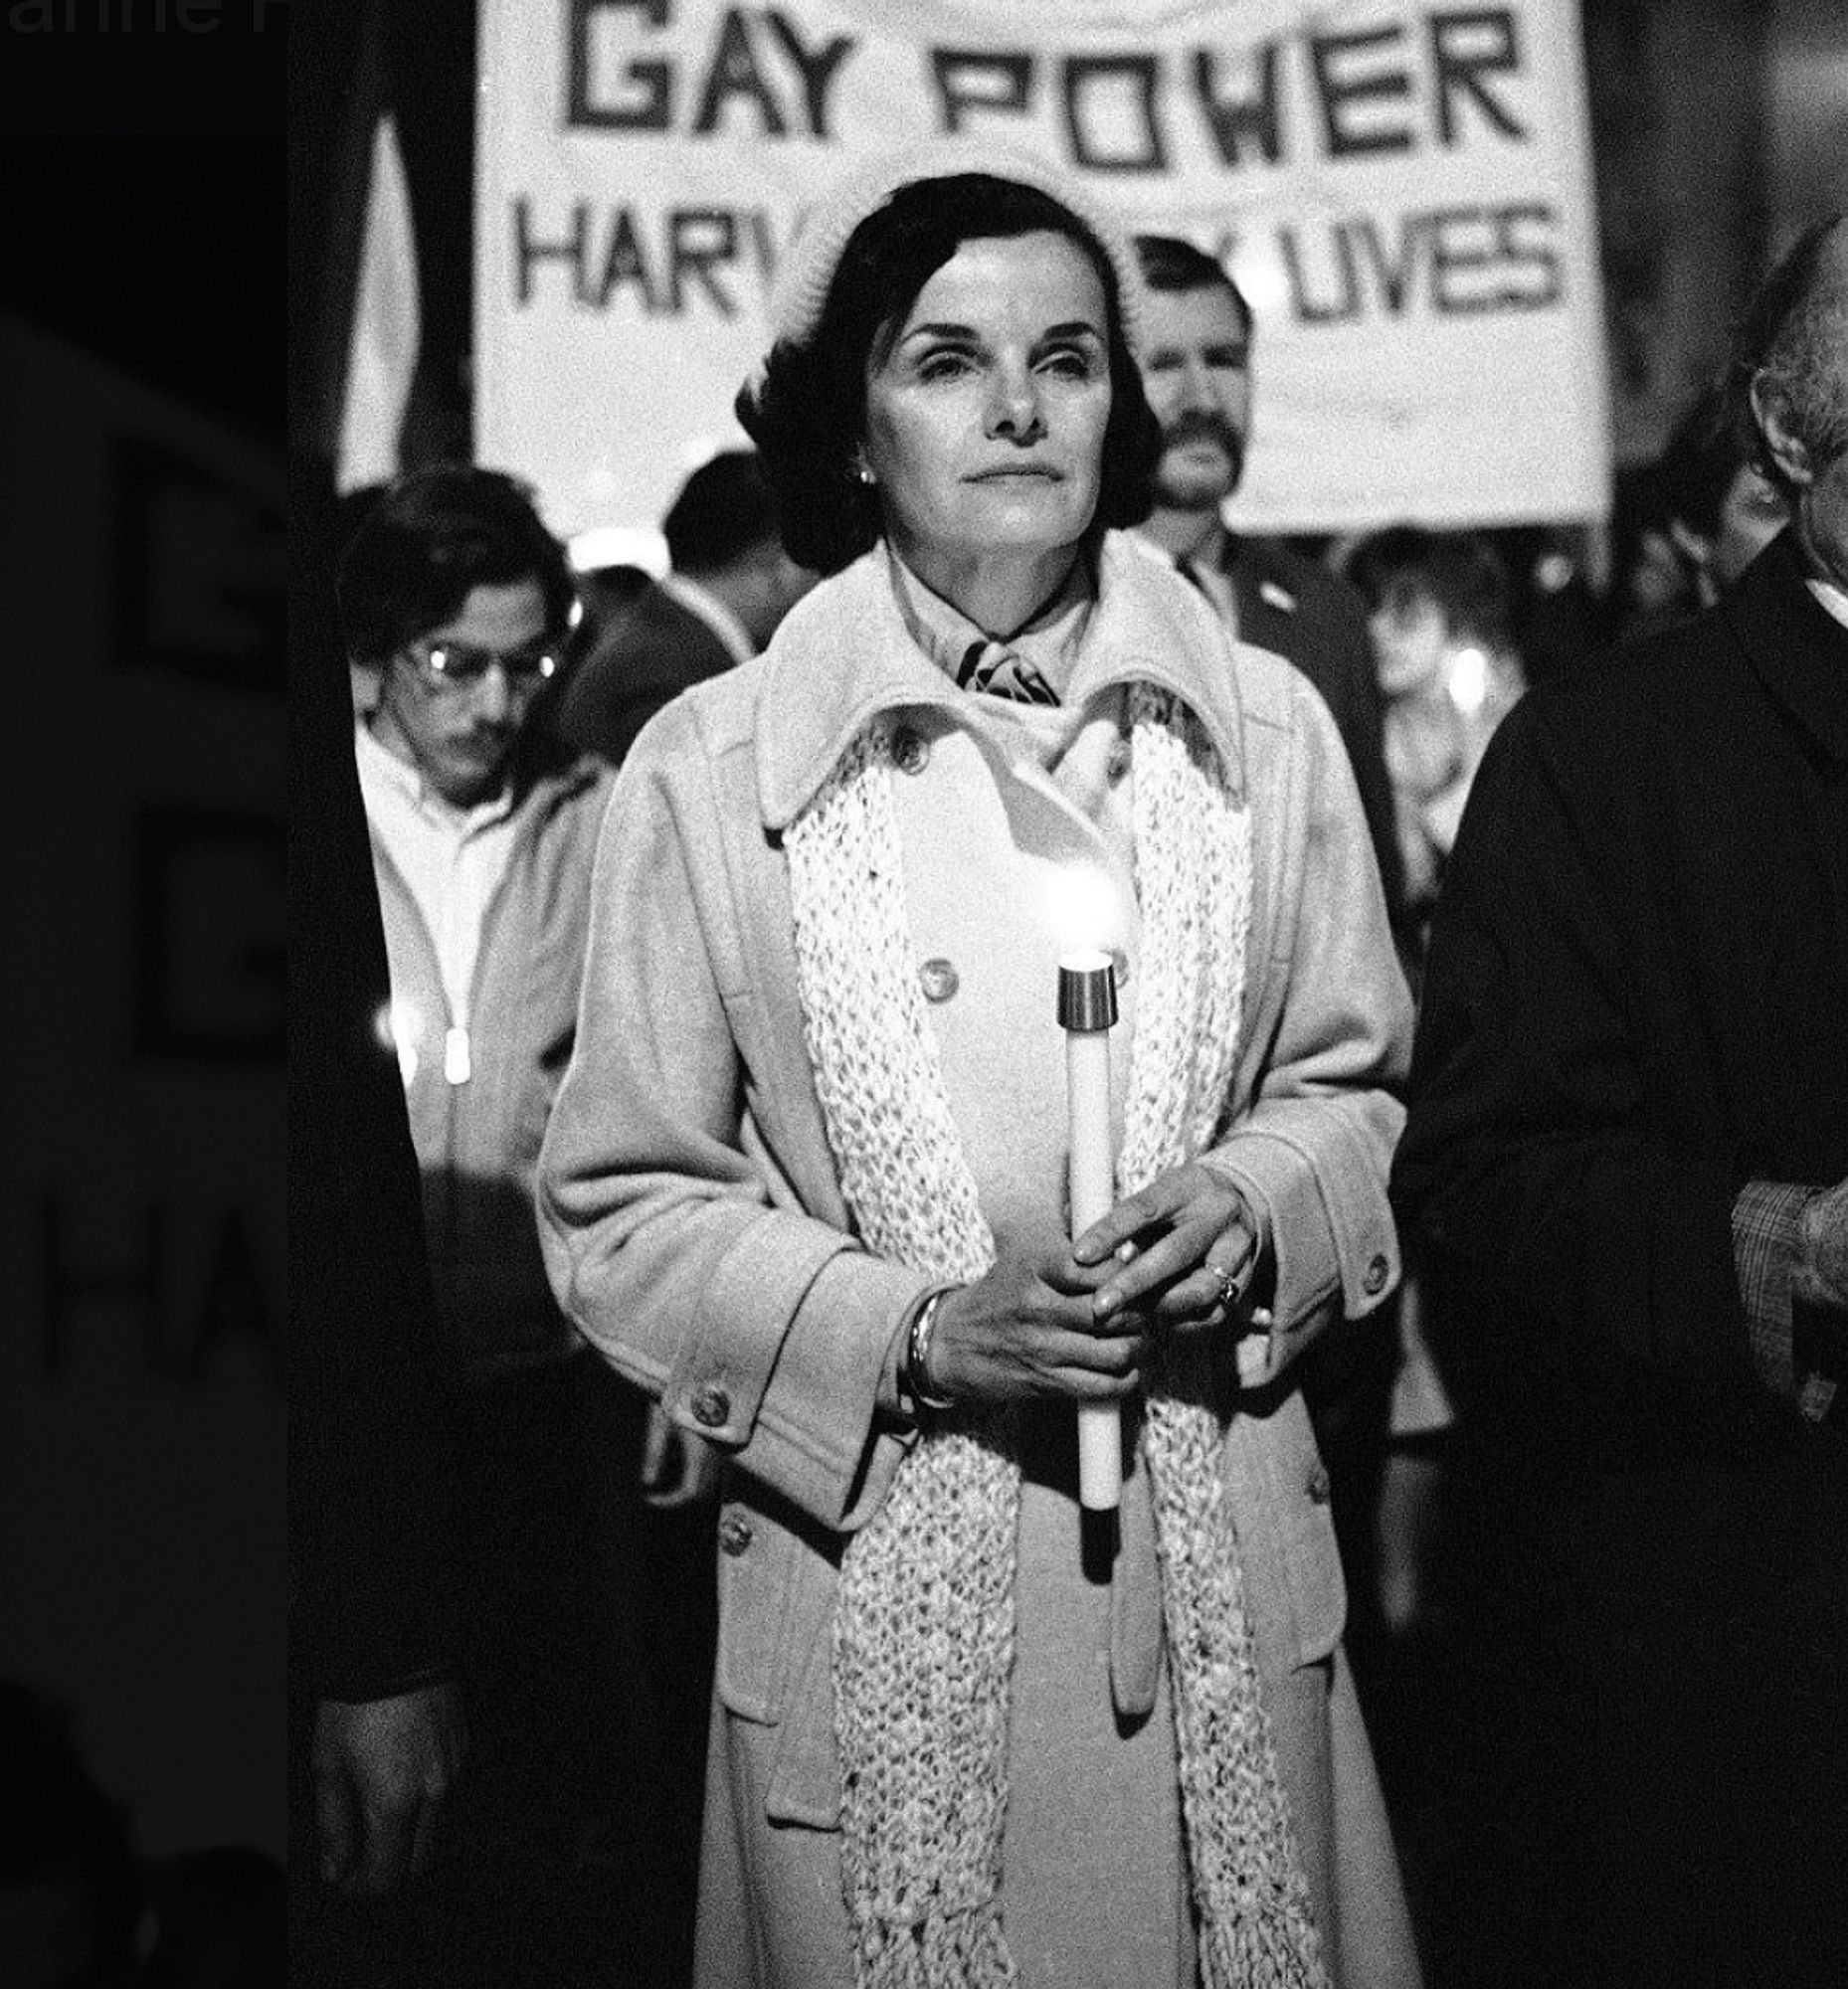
1087, 1011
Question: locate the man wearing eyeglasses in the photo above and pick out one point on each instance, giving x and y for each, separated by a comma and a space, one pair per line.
459, 602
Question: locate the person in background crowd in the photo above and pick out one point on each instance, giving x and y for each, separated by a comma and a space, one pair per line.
1629, 1143
1723, 510
460, 600
375, 1728
1197, 370
1438, 612
1556, 612
806, 1174
1711, 511
608, 593
1197, 366
728, 586
1439, 622
1649, 586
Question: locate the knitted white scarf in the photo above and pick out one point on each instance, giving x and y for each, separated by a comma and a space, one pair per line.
924, 1612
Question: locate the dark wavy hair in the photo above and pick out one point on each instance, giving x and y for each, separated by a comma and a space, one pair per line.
1459, 570
807, 414
427, 541
423, 546
724, 511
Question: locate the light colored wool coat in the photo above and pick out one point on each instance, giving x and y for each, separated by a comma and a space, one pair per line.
695, 1227
477, 1142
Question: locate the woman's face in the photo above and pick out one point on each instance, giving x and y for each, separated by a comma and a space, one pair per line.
986, 415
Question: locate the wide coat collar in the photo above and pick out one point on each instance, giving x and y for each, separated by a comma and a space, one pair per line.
843, 655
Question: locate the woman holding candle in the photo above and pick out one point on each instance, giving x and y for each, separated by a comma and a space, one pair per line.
804, 1178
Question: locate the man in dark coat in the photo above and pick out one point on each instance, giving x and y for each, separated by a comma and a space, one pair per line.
729, 583
1628, 1156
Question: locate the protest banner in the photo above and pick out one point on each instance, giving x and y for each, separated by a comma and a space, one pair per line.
1403, 190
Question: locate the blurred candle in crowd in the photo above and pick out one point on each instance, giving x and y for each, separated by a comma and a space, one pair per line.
1467, 678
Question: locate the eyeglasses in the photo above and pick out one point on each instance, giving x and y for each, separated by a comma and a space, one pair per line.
460, 665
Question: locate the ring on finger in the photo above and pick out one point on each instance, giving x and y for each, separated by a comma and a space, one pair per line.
1229, 1282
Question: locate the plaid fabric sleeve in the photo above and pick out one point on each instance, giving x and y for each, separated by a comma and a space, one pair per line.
1766, 1237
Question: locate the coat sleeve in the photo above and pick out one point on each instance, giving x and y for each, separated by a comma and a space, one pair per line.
676, 1232
1532, 1154
1332, 1033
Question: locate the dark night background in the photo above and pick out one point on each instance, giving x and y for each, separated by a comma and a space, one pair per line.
142, 235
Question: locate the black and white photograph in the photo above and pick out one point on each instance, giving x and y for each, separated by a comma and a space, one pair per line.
931, 1058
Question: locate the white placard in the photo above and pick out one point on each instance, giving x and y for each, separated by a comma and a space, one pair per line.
1403, 190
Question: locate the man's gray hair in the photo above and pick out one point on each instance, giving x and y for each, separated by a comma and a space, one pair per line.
1793, 343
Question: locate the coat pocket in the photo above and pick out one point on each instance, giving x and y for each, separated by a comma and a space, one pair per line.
776, 1658
805, 1778
759, 1566
1294, 1590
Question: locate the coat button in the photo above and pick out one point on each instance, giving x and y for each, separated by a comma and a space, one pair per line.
1317, 1486
734, 1533
910, 752
1377, 1271
711, 1405
940, 979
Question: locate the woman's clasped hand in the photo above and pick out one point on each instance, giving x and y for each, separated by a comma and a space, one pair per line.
1053, 1319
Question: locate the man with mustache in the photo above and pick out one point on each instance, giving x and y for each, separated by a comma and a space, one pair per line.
1196, 370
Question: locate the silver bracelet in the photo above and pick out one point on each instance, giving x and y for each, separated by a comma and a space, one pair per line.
917, 1353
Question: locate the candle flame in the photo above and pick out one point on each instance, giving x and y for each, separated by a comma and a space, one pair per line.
1084, 910
1469, 680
